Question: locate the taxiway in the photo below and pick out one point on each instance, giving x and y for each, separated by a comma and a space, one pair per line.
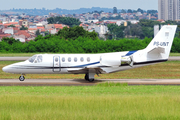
82, 82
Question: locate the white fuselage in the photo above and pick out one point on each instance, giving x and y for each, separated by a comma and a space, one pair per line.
64, 63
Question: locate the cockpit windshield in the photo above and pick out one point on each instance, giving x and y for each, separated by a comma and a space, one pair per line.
36, 59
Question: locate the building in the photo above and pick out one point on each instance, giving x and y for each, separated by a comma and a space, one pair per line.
169, 9
177, 10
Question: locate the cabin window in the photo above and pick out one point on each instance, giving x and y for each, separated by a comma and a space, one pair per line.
63, 59
75, 59
69, 59
88, 59
56, 59
82, 59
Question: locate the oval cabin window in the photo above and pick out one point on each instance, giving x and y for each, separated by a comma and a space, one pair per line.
82, 59
75, 59
69, 59
56, 59
63, 59
88, 59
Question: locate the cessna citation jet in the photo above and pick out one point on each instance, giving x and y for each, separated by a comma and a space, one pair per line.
90, 64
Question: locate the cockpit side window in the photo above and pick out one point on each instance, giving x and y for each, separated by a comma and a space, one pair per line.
39, 58
36, 59
32, 58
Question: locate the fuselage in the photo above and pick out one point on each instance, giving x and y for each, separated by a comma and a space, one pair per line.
64, 63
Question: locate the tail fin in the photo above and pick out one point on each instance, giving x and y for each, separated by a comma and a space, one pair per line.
160, 46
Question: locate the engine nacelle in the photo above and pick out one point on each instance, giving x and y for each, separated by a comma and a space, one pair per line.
110, 60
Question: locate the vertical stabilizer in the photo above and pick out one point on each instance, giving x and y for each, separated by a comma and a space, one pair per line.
162, 43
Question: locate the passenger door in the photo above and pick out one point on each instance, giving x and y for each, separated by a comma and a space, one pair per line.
56, 64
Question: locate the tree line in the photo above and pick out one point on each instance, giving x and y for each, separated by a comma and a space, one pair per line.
76, 40
80, 45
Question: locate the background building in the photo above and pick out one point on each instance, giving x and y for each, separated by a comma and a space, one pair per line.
169, 9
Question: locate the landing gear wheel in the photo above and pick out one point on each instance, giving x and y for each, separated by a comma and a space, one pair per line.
91, 80
86, 77
21, 78
89, 77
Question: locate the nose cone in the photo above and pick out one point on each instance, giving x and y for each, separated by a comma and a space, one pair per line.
5, 69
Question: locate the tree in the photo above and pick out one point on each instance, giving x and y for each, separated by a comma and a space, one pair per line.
152, 11
129, 11
114, 10
38, 32
116, 31
75, 32
46, 33
64, 20
140, 10
10, 40
11, 26
23, 28
136, 30
123, 11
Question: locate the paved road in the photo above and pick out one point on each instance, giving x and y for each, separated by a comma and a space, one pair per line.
13, 58
25, 58
174, 58
81, 82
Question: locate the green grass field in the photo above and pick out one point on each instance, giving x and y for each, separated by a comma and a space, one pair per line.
103, 101
31, 54
100, 102
174, 54
166, 70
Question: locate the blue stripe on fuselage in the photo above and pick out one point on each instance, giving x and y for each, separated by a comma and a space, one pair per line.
131, 52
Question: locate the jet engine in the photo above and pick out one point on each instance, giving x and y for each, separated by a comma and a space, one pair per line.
111, 60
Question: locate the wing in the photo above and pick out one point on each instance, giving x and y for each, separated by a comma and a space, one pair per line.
96, 70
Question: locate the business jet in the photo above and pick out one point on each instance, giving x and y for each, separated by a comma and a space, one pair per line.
157, 51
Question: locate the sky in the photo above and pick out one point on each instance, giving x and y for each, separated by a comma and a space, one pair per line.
76, 4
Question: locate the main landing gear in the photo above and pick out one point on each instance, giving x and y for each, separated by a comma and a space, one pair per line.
89, 77
21, 78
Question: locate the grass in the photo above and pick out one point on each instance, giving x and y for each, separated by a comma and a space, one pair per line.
31, 54
166, 70
174, 54
90, 102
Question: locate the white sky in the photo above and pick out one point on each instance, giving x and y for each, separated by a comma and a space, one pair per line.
76, 4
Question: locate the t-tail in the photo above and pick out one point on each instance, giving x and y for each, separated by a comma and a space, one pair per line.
158, 49
162, 42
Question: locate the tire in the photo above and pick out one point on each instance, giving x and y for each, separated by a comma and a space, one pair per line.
21, 78
91, 80
86, 77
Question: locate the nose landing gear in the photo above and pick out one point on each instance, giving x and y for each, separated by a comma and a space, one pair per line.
21, 78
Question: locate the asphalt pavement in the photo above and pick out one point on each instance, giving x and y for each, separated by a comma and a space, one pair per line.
82, 82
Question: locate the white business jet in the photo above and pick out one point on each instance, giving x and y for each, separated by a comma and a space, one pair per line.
90, 64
